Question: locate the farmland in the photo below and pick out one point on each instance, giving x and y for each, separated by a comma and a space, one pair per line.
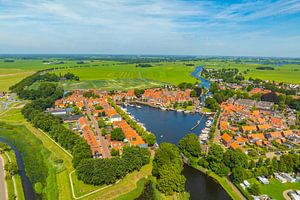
119, 75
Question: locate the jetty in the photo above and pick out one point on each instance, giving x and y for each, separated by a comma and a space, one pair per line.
198, 123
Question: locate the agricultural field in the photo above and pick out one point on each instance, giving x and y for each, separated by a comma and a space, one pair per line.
288, 73
117, 75
121, 76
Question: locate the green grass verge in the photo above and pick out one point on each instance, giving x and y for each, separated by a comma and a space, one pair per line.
17, 177
222, 181
134, 193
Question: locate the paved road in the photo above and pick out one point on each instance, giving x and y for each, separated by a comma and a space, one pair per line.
104, 145
3, 188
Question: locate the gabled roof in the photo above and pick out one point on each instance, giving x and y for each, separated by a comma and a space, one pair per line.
226, 138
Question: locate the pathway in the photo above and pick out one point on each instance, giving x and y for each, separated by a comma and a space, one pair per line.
13, 178
3, 186
285, 194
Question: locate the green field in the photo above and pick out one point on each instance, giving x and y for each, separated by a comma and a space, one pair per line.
287, 73
128, 76
114, 75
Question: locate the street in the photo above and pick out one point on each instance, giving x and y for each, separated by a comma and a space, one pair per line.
103, 143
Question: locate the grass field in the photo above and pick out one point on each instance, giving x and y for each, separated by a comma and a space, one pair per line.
105, 74
128, 76
275, 189
287, 73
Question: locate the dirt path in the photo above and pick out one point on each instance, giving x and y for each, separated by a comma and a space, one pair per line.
235, 189
13, 178
285, 194
3, 186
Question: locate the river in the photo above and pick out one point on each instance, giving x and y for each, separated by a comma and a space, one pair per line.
29, 192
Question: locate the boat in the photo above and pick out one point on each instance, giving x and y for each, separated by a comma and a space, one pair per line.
138, 106
163, 108
161, 136
179, 110
186, 111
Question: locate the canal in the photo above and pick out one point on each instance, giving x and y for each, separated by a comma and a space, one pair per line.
29, 192
171, 126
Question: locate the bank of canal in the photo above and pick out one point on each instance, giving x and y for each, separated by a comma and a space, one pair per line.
28, 189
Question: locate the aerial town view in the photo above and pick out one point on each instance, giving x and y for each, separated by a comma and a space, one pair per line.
150, 100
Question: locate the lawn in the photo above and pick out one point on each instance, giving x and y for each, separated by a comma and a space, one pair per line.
275, 189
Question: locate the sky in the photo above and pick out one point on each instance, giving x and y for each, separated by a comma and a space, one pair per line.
168, 27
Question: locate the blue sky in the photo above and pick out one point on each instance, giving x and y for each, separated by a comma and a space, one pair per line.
183, 27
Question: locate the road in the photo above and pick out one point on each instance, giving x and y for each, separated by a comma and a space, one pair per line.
285, 194
3, 187
104, 145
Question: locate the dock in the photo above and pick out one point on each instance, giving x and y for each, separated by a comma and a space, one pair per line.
198, 123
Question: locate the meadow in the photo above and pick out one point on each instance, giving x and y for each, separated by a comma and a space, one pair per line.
128, 76
117, 75
289, 73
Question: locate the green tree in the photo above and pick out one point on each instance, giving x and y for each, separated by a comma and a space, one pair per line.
254, 189
117, 134
190, 145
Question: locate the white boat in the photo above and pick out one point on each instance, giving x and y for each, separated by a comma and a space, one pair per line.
163, 108
179, 110
186, 111
161, 136
138, 106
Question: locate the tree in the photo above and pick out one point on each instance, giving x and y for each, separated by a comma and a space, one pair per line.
139, 92
117, 134
254, 189
190, 145
149, 138
167, 167
215, 153
114, 152
235, 158
211, 103
101, 123
169, 181
238, 174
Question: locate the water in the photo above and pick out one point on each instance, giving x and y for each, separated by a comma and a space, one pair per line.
204, 82
173, 126
29, 192
168, 126
202, 187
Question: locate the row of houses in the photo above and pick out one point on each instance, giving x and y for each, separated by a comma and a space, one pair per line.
166, 97
241, 123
